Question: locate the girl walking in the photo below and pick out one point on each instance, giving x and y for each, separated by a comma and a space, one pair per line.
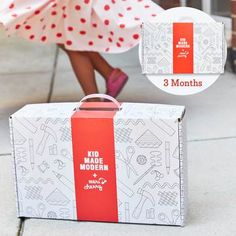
83, 29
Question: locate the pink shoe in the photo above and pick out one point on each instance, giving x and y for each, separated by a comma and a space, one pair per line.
116, 83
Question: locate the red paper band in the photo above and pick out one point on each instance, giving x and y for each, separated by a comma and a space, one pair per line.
94, 164
182, 48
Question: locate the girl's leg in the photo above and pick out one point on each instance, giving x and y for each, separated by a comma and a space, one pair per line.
101, 65
83, 69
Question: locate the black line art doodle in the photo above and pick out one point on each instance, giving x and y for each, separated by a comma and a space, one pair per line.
161, 186
43, 167
127, 160
33, 192
129, 121
122, 135
57, 198
175, 214
31, 152
64, 180
57, 120
148, 140
27, 125
127, 212
161, 124
66, 154
176, 153
47, 133
149, 170
65, 134
124, 188
64, 213
145, 196
167, 157
167, 198
141, 159
52, 215
52, 150
24, 171
19, 139
39, 180
60, 164
156, 158
176, 172
150, 213
20, 155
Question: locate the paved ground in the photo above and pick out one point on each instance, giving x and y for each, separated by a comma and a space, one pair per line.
25, 74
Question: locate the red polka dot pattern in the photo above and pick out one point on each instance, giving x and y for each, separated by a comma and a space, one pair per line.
104, 26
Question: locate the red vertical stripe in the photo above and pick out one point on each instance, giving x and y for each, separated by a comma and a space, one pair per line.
93, 131
182, 48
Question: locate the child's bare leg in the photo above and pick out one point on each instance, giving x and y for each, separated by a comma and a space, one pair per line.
83, 69
101, 65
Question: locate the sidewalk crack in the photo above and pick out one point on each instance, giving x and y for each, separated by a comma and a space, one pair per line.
21, 227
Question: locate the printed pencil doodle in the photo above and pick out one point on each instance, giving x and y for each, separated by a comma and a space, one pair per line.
155, 174
127, 212
64, 180
167, 157
31, 152
57, 198
148, 140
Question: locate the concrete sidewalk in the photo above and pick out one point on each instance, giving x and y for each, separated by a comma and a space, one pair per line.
25, 74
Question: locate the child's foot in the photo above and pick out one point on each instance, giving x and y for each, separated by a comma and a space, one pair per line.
116, 82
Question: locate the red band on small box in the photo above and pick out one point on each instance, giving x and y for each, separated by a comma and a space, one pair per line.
94, 164
182, 48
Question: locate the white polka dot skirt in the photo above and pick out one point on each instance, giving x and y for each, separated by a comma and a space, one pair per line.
85, 25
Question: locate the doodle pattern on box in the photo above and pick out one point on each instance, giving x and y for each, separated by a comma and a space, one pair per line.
150, 192
208, 48
148, 151
43, 158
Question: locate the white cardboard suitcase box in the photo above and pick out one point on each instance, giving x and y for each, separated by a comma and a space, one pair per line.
150, 163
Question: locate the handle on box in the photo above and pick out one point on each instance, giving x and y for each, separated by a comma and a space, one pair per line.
98, 95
